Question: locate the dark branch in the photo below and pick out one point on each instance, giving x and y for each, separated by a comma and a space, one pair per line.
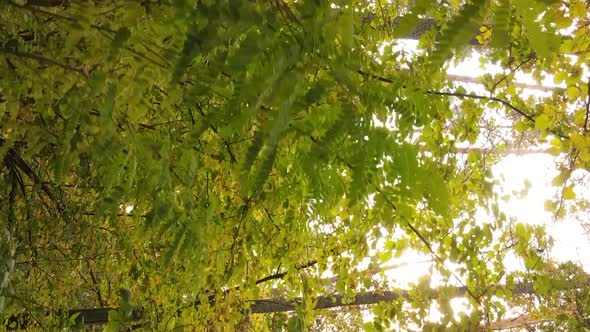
468, 95
264, 306
474, 96
44, 60
496, 99
225, 143
47, 3
283, 274
429, 247
531, 57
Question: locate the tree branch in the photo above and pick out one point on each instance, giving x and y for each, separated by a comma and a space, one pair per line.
46, 3
272, 305
225, 143
466, 79
469, 95
587, 106
475, 80
474, 96
281, 275
42, 59
531, 57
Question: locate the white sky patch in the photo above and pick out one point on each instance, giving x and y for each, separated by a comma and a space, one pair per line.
570, 241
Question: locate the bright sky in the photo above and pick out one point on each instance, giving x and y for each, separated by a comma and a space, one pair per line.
539, 169
570, 240
569, 236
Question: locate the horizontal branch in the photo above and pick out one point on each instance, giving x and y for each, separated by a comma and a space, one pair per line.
474, 96
475, 80
264, 306
44, 60
515, 323
504, 102
517, 152
46, 3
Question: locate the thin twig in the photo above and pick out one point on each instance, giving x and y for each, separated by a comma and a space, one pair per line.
531, 57
385, 19
44, 60
95, 282
565, 183
225, 143
41, 11
469, 95
474, 96
429, 247
283, 274
101, 29
474, 80
496, 99
587, 106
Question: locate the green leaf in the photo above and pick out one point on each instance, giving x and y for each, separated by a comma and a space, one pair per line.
501, 24
114, 319
550, 206
544, 42
347, 27
296, 324
522, 232
121, 36
125, 302
73, 318
437, 193
542, 285
368, 327
269, 155
457, 32
192, 47
542, 122
521, 126
251, 154
407, 23
573, 92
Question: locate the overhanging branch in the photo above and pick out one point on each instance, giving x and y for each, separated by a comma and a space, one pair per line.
504, 102
272, 305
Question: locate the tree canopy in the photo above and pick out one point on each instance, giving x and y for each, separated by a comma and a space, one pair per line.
255, 165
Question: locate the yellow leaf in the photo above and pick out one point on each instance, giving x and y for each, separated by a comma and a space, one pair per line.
559, 180
573, 92
580, 117
579, 9
550, 206
568, 193
560, 76
579, 141
542, 122
584, 155
556, 146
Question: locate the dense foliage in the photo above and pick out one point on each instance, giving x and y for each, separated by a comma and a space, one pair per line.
182, 161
